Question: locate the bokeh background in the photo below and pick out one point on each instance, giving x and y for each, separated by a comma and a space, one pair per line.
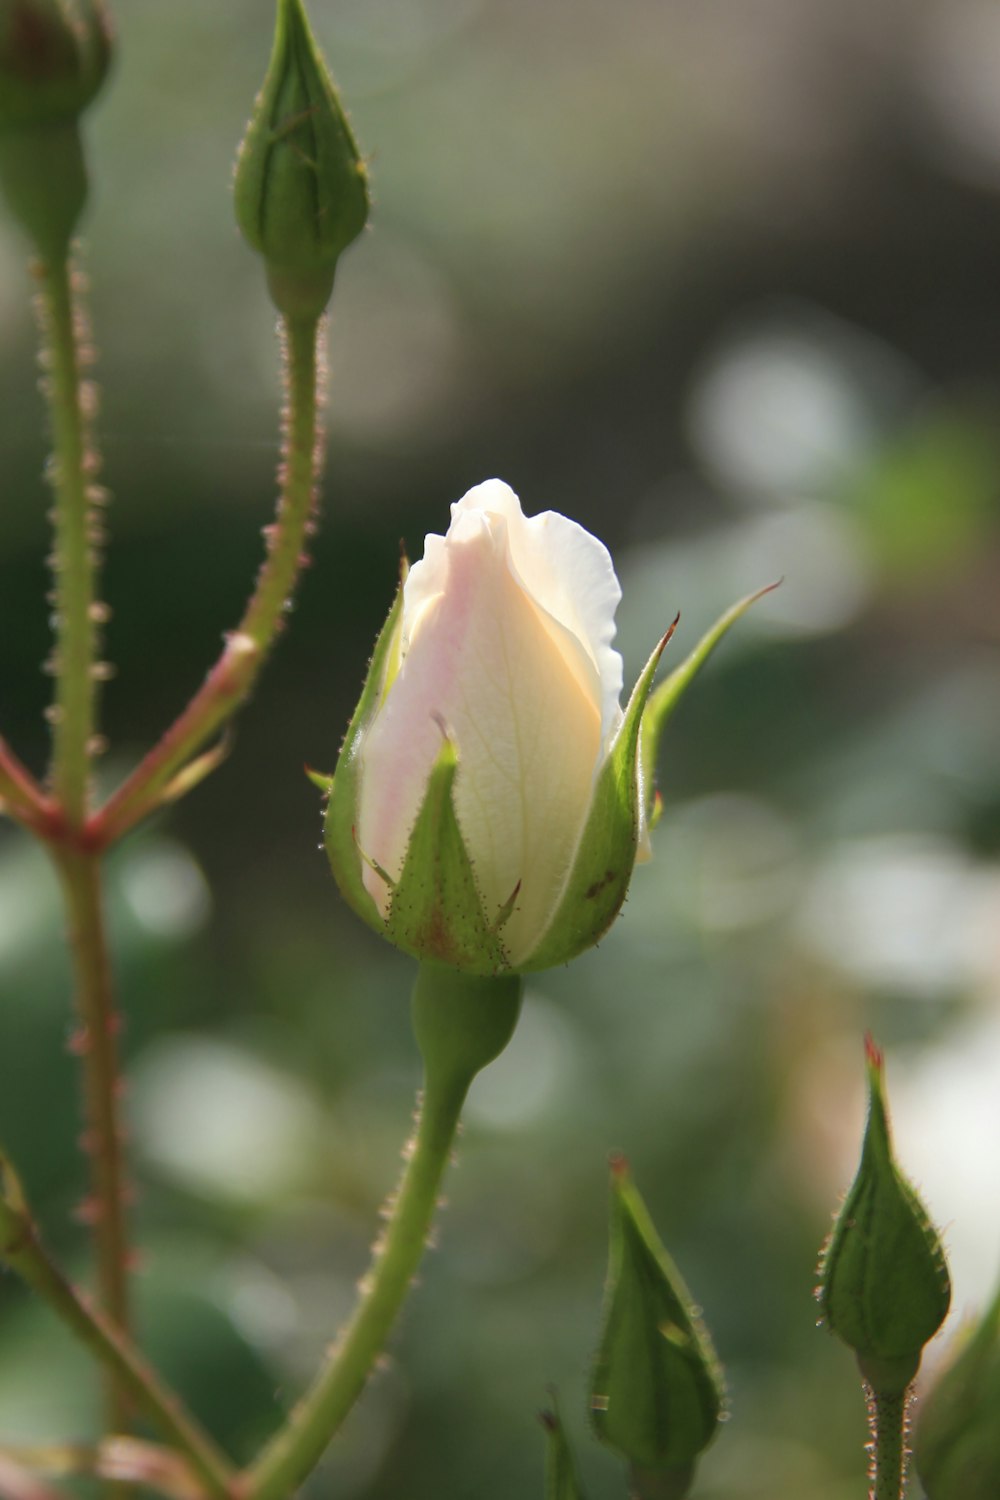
723, 283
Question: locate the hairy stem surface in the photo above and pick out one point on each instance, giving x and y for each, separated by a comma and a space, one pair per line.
462, 1023
24, 1253
232, 678
887, 1416
74, 551
96, 1041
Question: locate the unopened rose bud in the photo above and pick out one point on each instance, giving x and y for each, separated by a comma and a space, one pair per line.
656, 1392
54, 57
561, 1481
486, 809
957, 1447
884, 1285
301, 192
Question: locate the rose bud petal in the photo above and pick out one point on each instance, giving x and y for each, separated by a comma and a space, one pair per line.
488, 804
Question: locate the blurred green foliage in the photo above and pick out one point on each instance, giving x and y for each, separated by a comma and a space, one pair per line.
720, 282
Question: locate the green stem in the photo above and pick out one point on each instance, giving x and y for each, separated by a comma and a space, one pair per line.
461, 1023
97, 1044
232, 678
74, 556
887, 1415
24, 1253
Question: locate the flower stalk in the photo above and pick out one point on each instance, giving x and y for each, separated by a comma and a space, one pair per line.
233, 677
74, 553
73, 720
461, 1023
22, 1250
887, 1415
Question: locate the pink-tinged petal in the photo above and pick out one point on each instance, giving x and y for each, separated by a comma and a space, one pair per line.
521, 695
570, 575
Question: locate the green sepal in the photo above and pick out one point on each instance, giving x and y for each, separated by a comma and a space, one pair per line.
884, 1284
561, 1481
301, 190
436, 912
319, 780
667, 696
957, 1447
605, 856
657, 1391
342, 809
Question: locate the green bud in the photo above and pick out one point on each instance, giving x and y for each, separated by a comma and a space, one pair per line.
957, 1447
656, 1393
301, 191
561, 1482
884, 1285
54, 56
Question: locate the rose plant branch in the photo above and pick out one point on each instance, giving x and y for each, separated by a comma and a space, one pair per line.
461, 1022
73, 715
76, 532
233, 677
888, 1417
21, 797
23, 1252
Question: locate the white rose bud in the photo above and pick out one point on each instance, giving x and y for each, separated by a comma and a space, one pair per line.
488, 805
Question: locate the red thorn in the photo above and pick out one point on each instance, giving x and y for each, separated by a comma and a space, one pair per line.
874, 1056
79, 1041
618, 1162
549, 1421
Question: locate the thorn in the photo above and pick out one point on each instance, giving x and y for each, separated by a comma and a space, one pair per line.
78, 1041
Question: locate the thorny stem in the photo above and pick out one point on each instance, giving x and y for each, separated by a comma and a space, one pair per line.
24, 1253
64, 351
96, 1040
232, 679
299, 1445
461, 1023
888, 1417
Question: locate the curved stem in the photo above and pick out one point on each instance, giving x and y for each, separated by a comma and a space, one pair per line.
461, 1023
299, 1446
96, 1041
888, 1418
232, 678
23, 1252
74, 554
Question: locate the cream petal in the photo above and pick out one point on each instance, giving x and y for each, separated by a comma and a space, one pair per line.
568, 573
511, 681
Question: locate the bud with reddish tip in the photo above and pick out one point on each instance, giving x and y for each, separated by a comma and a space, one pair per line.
884, 1284
54, 57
